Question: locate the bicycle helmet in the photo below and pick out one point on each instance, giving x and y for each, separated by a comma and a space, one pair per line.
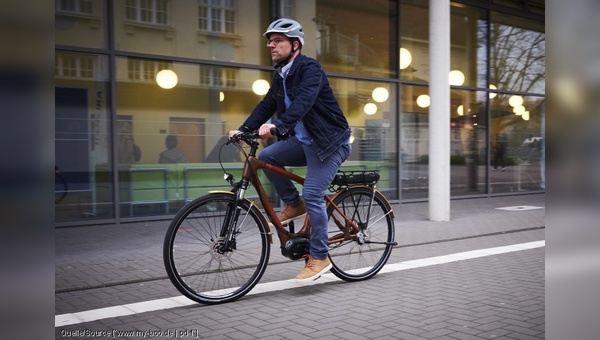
288, 27
291, 29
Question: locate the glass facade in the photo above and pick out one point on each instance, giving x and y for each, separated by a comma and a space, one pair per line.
146, 90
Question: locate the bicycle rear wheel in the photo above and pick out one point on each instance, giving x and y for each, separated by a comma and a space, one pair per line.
360, 259
197, 264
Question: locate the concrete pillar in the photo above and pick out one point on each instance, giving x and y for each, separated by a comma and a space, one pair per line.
439, 110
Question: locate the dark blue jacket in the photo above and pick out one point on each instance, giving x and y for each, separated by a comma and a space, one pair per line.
312, 101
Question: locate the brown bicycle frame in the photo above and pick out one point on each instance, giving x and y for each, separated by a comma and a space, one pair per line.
250, 172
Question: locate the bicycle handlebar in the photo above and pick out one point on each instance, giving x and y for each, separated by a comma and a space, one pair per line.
248, 137
244, 136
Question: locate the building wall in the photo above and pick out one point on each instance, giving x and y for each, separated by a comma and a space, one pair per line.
108, 55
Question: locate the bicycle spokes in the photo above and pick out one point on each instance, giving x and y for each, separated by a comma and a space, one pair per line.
358, 250
212, 257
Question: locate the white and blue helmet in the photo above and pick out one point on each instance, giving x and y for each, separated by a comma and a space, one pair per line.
288, 27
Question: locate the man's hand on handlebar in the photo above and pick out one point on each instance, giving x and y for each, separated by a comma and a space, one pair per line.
265, 130
232, 133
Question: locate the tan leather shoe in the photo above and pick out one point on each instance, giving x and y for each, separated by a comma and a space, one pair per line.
313, 270
291, 213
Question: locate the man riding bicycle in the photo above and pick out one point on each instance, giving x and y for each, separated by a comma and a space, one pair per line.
314, 134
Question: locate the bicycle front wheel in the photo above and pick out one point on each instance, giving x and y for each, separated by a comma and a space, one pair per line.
196, 259
363, 256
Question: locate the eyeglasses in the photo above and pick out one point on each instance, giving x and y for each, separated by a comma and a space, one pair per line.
275, 41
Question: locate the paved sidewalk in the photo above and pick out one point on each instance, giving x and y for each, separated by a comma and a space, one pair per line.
497, 296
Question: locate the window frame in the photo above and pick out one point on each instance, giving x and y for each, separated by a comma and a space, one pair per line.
217, 16
149, 12
78, 7
218, 77
139, 70
71, 66
287, 8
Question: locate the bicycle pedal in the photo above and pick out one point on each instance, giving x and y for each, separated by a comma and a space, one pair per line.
287, 225
290, 226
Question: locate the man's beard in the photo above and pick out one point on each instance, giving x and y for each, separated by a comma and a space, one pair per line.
277, 58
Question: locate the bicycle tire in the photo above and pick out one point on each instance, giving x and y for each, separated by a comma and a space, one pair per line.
360, 260
195, 266
60, 187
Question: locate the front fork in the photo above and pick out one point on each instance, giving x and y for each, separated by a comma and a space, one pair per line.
230, 223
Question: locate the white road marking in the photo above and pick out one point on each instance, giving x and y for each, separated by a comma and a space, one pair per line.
179, 301
520, 208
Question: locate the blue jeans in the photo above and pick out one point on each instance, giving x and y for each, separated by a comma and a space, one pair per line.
319, 175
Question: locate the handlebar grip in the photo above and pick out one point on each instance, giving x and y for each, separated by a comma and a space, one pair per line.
274, 131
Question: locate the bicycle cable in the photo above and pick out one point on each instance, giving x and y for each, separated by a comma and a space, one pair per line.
227, 176
243, 136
